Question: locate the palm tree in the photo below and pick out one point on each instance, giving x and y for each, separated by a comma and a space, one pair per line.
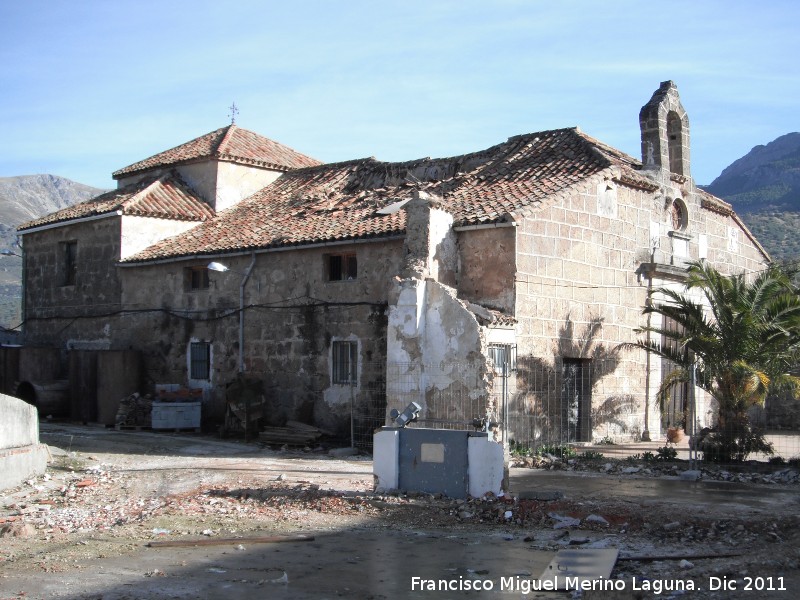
743, 339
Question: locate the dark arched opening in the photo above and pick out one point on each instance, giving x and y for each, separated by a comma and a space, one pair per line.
26, 392
675, 142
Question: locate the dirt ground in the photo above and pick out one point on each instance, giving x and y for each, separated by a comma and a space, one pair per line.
95, 526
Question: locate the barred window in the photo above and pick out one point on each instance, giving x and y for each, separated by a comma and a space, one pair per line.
503, 354
200, 360
344, 362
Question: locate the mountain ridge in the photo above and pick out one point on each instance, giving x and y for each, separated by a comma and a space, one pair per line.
24, 198
763, 187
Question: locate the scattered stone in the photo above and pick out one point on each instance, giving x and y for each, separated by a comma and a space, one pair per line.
563, 521
17, 529
596, 519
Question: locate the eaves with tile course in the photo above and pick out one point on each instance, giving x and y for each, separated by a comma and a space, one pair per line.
165, 197
339, 202
232, 144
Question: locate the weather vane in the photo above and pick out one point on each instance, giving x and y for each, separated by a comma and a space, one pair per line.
233, 113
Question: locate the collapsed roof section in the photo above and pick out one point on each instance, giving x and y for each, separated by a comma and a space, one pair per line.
353, 200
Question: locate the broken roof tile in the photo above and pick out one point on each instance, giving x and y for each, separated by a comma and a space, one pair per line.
340, 201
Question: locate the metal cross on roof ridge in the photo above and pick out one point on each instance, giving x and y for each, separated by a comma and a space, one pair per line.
233, 113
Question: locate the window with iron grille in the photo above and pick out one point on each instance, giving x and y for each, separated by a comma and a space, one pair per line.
503, 354
344, 362
200, 360
342, 267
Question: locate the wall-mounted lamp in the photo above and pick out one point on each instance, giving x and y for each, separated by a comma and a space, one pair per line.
220, 268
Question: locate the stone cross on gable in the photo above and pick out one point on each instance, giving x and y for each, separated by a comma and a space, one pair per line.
233, 113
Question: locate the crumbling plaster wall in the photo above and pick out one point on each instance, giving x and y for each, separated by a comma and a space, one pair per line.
288, 335
433, 338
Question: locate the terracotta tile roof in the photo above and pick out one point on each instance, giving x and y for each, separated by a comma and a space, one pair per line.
232, 144
340, 201
165, 197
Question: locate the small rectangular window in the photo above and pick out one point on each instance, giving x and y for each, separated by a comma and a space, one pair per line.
196, 278
344, 362
342, 267
503, 354
200, 360
69, 252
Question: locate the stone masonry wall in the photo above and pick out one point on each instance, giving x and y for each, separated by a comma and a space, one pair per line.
581, 288
296, 316
55, 313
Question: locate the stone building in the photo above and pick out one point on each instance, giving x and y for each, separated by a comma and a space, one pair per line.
477, 284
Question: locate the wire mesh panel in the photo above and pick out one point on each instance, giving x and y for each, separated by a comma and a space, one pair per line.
451, 395
540, 405
575, 400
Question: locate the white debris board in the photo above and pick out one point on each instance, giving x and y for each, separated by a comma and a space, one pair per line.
572, 566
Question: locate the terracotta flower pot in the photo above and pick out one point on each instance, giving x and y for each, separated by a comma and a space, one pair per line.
674, 434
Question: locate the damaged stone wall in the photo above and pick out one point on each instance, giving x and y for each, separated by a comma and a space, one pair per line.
293, 316
436, 348
487, 267
436, 353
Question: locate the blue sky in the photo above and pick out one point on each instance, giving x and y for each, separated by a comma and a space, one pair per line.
88, 87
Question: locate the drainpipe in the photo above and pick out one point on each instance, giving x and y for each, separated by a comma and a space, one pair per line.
241, 310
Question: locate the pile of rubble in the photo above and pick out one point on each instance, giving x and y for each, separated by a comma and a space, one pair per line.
760, 473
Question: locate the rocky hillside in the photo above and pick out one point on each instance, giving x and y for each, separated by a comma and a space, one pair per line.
764, 188
22, 199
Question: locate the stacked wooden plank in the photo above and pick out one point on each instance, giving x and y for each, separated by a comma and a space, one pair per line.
294, 434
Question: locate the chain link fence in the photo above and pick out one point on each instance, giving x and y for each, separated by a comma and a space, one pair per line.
536, 406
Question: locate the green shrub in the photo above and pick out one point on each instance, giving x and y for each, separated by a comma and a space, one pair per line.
666, 453
561, 451
591, 455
